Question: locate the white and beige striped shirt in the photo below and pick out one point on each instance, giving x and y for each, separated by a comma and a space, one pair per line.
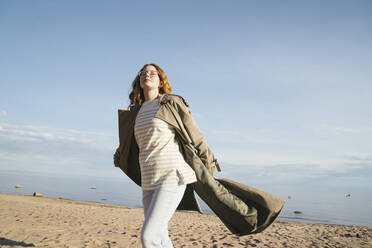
161, 162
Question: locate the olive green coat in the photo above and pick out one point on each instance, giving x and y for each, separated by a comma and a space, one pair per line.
244, 210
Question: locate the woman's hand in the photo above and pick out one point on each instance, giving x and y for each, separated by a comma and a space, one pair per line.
116, 158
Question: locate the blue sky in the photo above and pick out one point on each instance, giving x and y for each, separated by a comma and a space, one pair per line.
279, 88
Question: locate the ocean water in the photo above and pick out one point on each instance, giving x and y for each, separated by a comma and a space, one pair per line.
316, 206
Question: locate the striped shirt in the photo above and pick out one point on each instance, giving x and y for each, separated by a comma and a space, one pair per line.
161, 162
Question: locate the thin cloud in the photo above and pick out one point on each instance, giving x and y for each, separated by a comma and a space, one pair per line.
48, 134
335, 130
55, 150
300, 174
359, 157
260, 136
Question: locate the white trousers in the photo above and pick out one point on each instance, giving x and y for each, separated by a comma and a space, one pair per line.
159, 205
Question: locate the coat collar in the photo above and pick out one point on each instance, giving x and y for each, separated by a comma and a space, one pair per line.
165, 98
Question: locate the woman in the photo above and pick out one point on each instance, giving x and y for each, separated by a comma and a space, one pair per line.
164, 172
163, 151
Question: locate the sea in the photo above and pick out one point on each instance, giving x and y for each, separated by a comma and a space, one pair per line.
301, 206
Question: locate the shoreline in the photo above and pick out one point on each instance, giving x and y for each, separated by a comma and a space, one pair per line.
323, 209
50, 222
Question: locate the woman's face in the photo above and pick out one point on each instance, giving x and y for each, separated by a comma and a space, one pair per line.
149, 78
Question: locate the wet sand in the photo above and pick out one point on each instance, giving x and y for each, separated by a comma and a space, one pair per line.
27, 221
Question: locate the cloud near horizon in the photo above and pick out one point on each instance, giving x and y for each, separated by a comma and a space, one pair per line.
47, 149
330, 147
54, 150
338, 130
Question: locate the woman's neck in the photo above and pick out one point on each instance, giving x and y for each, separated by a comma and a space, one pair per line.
150, 94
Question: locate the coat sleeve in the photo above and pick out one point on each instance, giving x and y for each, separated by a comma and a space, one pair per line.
196, 136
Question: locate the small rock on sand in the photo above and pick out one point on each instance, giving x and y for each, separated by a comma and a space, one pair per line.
37, 194
18, 186
297, 212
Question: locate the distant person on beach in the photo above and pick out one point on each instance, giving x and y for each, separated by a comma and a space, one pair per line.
164, 173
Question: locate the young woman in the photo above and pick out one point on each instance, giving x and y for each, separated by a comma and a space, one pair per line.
163, 151
154, 127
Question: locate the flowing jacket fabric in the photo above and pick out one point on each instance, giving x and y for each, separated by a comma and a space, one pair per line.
243, 209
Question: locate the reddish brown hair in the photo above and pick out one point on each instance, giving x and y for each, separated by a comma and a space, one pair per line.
137, 96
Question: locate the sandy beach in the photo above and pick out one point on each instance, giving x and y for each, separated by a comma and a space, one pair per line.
27, 221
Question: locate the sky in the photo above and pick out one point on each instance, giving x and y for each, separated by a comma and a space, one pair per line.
281, 89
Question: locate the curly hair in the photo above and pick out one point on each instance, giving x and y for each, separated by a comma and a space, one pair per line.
137, 96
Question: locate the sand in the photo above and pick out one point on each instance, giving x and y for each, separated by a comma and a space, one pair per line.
27, 221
